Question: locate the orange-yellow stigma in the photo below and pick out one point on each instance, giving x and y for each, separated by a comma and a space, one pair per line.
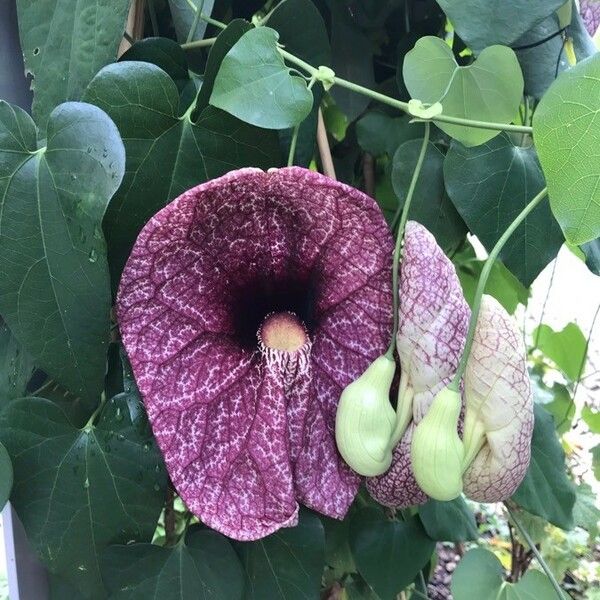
282, 331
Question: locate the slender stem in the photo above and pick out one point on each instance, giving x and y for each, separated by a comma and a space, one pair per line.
296, 131
327, 165
195, 22
199, 43
90, 422
536, 553
423, 584
485, 273
400, 237
537, 332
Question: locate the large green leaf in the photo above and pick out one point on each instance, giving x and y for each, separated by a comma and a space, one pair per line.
288, 564
55, 294
77, 490
566, 348
65, 43
481, 23
450, 521
166, 153
430, 205
378, 133
546, 490
490, 89
567, 136
6, 476
204, 566
388, 554
16, 366
490, 185
255, 85
480, 575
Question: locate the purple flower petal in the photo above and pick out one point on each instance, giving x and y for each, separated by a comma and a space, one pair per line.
247, 427
590, 11
498, 397
433, 323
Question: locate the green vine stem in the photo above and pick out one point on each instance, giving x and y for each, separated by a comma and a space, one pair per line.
400, 237
294, 140
195, 22
536, 553
485, 273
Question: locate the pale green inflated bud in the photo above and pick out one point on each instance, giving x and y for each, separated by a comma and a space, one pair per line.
437, 452
365, 420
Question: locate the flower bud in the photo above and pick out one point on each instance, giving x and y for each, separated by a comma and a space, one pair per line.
365, 420
437, 452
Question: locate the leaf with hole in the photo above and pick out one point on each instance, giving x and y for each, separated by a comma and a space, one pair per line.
566, 131
489, 89
55, 293
255, 85
490, 185
77, 490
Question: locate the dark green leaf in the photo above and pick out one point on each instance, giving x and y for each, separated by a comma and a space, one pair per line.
567, 137
65, 45
55, 288
352, 58
490, 89
302, 31
481, 23
591, 418
205, 566
61, 590
166, 154
490, 185
480, 575
6, 476
78, 490
567, 348
286, 565
546, 490
450, 521
379, 133
16, 366
388, 554
183, 17
337, 546
430, 205
591, 250
256, 86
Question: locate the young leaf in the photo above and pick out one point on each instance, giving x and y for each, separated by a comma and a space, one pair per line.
287, 564
388, 554
166, 153
255, 85
567, 136
65, 45
490, 89
55, 288
6, 476
204, 566
566, 348
16, 366
490, 185
78, 490
546, 490
450, 521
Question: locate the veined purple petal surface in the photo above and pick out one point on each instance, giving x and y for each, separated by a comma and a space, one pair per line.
247, 430
497, 392
590, 12
434, 318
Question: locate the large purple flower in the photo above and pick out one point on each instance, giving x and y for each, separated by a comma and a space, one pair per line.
246, 306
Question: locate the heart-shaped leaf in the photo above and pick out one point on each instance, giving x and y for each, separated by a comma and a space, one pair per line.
64, 45
166, 153
481, 23
388, 554
480, 575
255, 85
546, 490
490, 89
490, 185
16, 366
205, 566
567, 348
6, 476
76, 490
567, 137
55, 288
287, 564
450, 521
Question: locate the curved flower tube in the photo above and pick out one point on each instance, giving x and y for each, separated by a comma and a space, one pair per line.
498, 401
433, 324
246, 307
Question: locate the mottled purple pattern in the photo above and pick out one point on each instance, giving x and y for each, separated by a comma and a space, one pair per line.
590, 12
498, 391
247, 434
433, 323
